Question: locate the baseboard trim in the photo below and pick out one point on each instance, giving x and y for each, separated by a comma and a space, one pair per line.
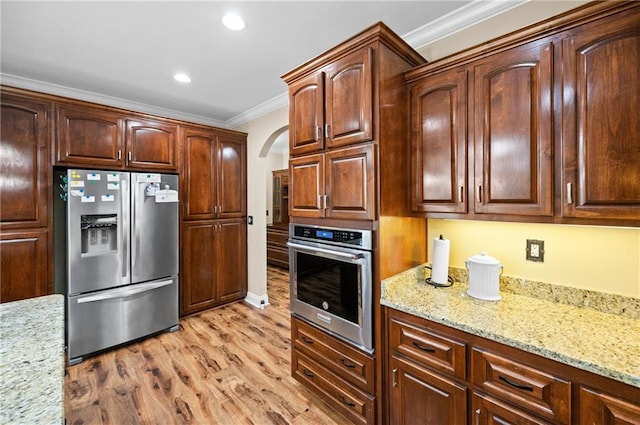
257, 301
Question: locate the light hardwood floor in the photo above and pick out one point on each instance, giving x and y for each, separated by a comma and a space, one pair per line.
230, 365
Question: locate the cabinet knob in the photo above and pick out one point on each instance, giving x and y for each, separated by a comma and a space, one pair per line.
478, 414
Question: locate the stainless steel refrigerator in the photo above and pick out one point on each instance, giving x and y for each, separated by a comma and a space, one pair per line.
121, 257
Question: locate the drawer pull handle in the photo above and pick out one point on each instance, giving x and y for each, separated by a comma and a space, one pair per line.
307, 372
478, 416
395, 377
307, 340
424, 347
516, 385
347, 402
347, 363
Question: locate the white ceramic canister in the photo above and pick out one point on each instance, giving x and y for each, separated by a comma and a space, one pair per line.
484, 277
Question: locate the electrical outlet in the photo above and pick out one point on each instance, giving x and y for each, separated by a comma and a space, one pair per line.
535, 250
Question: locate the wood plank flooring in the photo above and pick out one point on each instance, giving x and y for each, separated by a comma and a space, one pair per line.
230, 365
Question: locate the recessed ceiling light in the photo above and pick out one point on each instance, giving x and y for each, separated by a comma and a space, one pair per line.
233, 21
182, 77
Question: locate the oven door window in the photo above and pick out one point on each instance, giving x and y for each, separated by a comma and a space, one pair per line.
330, 285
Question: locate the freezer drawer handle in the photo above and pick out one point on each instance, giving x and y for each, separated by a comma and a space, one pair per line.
120, 293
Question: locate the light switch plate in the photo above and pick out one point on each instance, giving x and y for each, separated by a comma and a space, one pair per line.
535, 250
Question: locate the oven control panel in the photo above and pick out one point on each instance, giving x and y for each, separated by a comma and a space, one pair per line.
332, 235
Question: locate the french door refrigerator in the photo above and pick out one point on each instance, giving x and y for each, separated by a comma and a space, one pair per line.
121, 257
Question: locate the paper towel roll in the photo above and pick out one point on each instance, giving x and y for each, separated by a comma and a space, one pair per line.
440, 261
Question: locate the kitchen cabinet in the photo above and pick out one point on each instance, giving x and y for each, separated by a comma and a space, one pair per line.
280, 196
601, 119
214, 177
341, 374
89, 136
433, 371
510, 156
337, 184
25, 207
214, 263
277, 250
542, 120
333, 106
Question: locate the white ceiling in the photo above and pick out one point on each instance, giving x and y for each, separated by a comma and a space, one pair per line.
125, 53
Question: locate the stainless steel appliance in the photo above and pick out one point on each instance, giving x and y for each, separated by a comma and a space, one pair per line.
121, 262
330, 272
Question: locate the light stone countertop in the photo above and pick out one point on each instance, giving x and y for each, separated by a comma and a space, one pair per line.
32, 361
602, 343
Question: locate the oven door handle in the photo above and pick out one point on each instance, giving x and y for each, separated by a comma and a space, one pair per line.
315, 250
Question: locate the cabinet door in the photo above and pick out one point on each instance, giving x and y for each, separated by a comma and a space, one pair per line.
198, 273
601, 120
513, 132
306, 115
306, 188
198, 177
24, 264
439, 143
603, 409
151, 145
419, 396
231, 177
231, 264
349, 182
24, 163
89, 137
348, 99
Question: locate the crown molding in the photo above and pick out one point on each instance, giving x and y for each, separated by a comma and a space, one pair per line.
280, 101
464, 17
87, 96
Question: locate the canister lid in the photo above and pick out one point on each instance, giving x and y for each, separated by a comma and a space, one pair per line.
484, 258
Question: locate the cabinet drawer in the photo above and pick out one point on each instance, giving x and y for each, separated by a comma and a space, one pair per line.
277, 236
488, 410
351, 364
428, 347
348, 400
531, 389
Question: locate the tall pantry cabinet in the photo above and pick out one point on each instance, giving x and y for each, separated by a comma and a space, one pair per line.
25, 211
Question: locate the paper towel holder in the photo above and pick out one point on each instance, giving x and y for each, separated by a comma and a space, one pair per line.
438, 285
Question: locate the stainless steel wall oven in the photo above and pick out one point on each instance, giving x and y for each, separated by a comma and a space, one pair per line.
330, 273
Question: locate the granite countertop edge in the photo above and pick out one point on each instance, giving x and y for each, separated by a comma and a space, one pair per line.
406, 284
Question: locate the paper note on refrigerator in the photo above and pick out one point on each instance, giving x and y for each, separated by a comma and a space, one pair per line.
166, 195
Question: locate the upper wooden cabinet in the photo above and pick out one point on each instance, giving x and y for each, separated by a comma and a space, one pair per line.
24, 162
512, 118
214, 174
94, 137
332, 107
548, 127
601, 119
337, 184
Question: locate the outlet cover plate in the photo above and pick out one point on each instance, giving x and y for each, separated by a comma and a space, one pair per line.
535, 250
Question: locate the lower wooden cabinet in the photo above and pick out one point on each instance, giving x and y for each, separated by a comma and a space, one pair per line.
214, 263
426, 384
339, 373
24, 264
277, 250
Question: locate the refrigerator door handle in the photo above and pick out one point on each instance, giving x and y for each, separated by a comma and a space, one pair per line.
126, 292
138, 197
124, 229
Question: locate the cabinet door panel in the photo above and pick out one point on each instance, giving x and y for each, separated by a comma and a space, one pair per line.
350, 183
151, 145
439, 143
602, 409
231, 177
348, 99
24, 163
306, 186
513, 130
306, 115
198, 181
24, 265
199, 259
421, 397
601, 120
231, 246
89, 137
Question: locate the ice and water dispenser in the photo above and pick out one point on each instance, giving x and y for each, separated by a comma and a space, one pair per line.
99, 234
